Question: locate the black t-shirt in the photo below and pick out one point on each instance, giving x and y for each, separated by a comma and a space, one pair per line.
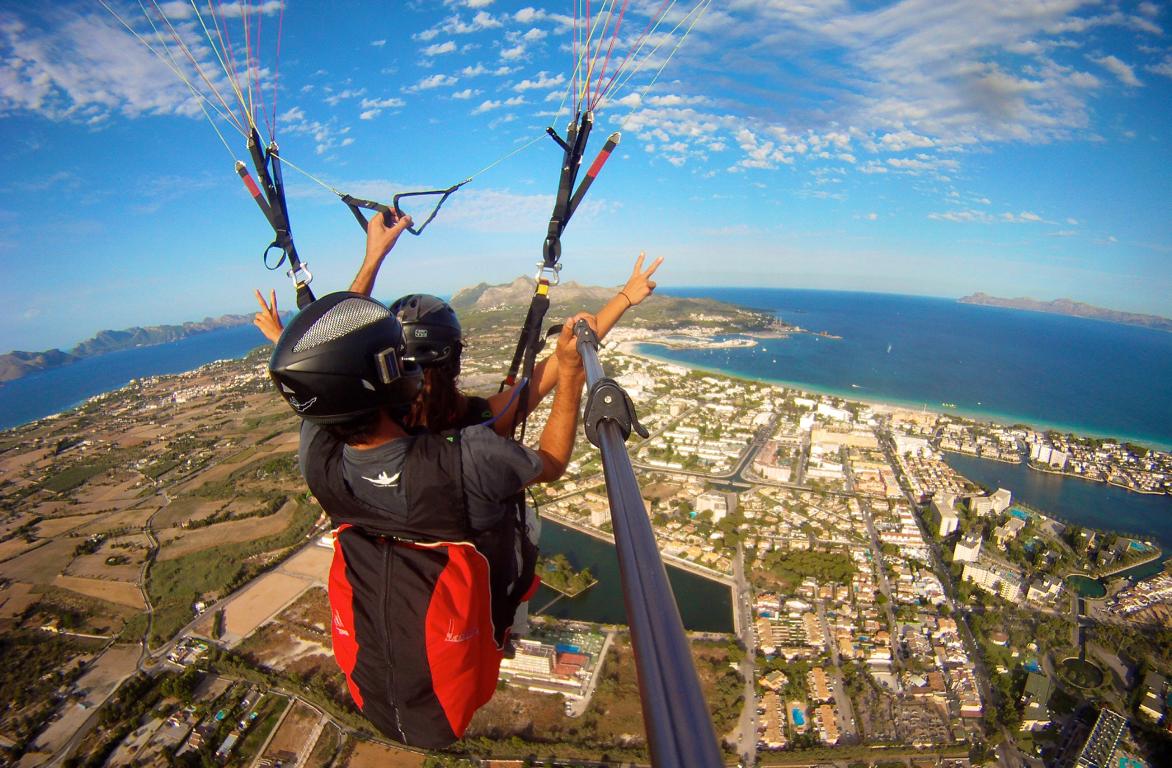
494, 468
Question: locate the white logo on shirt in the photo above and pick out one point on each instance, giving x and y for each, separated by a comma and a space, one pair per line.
340, 626
453, 637
383, 481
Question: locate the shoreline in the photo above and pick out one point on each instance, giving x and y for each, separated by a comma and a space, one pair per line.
1076, 476
991, 417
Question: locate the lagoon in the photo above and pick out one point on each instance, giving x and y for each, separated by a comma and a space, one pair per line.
705, 605
1074, 500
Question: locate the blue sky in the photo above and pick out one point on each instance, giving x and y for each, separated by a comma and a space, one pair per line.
931, 147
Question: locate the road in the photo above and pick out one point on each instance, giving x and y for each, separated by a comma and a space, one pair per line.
846, 713
743, 605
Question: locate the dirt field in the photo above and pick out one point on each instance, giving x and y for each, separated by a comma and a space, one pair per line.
177, 542
299, 725
313, 562
54, 527
120, 592
126, 519
41, 565
369, 755
132, 547
259, 602
13, 547
14, 599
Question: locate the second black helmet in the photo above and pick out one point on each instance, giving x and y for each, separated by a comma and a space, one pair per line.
431, 330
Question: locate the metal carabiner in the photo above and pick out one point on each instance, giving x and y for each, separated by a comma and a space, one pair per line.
542, 269
301, 267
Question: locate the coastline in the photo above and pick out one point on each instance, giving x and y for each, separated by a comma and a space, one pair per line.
1077, 476
993, 417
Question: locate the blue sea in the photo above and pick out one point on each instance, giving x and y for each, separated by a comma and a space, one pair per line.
1078, 375
58, 389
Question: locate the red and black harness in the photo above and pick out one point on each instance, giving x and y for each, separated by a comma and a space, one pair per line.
422, 605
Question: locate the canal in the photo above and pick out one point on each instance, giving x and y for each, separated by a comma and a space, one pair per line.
1077, 501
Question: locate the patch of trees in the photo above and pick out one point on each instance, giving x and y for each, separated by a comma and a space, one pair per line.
792, 567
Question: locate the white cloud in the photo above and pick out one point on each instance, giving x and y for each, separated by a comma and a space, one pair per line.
963, 217
528, 15
534, 34
378, 43
389, 103
478, 3
337, 97
1123, 71
1163, 68
433, 81
490, 104
479, 69
514, 52
438, 49
467, 93
872, 216
541, 80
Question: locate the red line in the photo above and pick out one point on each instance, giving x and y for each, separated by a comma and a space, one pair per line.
229, 53
277, 69
635, 47
602, 73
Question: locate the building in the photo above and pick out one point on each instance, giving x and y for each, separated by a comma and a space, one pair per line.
968, 549
1152, 704
716, 503
1044, 589
999, 582
981, 505
1100, 745
1036, 702
1008, 530
1002, 498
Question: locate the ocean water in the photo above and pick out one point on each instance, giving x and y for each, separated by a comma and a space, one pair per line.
1047, 370
57, 389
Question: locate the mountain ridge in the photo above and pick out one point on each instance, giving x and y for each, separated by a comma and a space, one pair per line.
16, 364
1070, 308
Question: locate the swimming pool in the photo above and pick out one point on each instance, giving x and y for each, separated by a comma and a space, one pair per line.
799, 717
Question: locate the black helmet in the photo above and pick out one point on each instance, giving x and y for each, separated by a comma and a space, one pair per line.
341, 358
431, 330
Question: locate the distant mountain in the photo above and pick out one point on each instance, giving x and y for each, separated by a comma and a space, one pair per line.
1071, 308
17, 364
520, 291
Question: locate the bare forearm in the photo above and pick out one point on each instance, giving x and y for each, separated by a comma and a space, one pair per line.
545, 373
557, 439
367, 273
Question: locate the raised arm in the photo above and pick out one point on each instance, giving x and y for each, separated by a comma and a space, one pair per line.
380, 239
557, 439
545, 374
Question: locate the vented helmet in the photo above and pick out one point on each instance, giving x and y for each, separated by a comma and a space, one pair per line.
341, 358
431, 330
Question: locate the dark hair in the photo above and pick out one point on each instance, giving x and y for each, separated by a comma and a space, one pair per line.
440, 403
356, 430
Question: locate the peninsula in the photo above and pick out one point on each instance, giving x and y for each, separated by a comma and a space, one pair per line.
1072, 309
14, 365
